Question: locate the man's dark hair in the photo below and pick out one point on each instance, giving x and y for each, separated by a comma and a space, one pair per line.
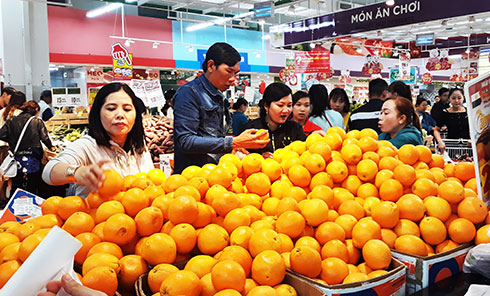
239, 103
9, 90
442, 90
221, 53
401, 89
135, 142
420, 100
377, 87
318, 99
273, 93
45, 94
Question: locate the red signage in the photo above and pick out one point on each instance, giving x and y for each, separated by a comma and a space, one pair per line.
427, 78
312, 62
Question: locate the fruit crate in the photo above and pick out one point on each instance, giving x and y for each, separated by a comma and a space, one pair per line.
458, 149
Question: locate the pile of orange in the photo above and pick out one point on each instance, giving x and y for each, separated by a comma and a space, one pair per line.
329, 208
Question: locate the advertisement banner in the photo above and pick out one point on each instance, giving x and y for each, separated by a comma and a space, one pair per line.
122, 62
312, 62
154, 94
138, 86
95, 75
477, 92
395, 75
404, 66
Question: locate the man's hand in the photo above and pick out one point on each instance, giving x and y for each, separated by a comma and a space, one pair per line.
249, 139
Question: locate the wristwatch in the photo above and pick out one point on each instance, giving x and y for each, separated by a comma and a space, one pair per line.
70, 171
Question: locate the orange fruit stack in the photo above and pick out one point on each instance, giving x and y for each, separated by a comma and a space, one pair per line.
329, 208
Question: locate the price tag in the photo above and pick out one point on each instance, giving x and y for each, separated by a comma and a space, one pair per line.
59, 95
167, 164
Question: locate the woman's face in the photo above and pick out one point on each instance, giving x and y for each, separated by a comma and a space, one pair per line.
301, 109
243, 108
422, 107
389, 120
279, 111
337, 104
456, 99
118, 115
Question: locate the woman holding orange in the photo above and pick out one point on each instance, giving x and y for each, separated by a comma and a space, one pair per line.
115, 140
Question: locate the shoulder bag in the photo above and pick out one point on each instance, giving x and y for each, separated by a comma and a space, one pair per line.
8, 168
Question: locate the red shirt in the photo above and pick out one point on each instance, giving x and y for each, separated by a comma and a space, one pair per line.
310, 127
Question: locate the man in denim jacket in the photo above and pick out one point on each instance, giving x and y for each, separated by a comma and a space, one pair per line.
201, 113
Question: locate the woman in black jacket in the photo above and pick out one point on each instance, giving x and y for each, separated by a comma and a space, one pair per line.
30, 151
275, 108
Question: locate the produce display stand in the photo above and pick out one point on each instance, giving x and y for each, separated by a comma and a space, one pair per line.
68, 119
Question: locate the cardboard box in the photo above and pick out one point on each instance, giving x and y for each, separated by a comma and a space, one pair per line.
391, 283
22, 206
425, 271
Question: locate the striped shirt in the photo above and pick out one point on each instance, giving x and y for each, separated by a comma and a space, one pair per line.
366, 116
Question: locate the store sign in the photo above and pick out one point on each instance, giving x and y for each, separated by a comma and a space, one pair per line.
95, 75
244, 65
395, 75
404, 66
375, 17
312, 62
427, 78
477, 92
122, 62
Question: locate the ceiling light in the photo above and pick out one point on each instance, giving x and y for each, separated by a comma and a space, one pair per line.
261, 22
127, 43
291, 10
104, 9
390, 2
190, 48
131, 1
155, 45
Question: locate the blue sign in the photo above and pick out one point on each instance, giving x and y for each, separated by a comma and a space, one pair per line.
244, 65
395, 73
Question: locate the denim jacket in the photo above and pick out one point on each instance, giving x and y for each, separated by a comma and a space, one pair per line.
201, 121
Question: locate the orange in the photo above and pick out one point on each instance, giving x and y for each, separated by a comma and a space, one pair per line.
405, 226
354, 253
14, 227
347, 222
411, 244
382, 176
376, 273
236, 218
322, 192
351, 207
437, 207
425, 154
433, 230
232, 158
106, 247
386, 151
389, 237
7, 239
367, 190
94, 200
308, 241
411, 207
200, 183
228, 274
372, 155
355, 277
239, 255
376, 254
368, 132
88, 240
420, 165
353, 134
258, 183
148, 221
268, 268
201, 265
314, 210
439, 175
173, 182
119, 229
449, 169
471, 184
391, 190
287, 204
127, 182
290, 223
220, 176
469, 192
212, 239
70, 205
50, 205
481, 236
334, 271
285, 290
437, 161
405, 174
425, 173
367, 170
337, 170
132, 266
100, 259
369, 203
225, 202
264, 239
158, 274
182, 282
424, 187
306, 261
341, 195
461, 230
188, 190
79, 222
228, 292
367, 144
315, 163
183, 209
299, 176
451, 191
328, 231
321, 148
157, 176
311, 140
408, 154
252, 163
388, 163
141, 183
113, 183
184, 236
107, 209
262, 291
386, 214
101, 278
334, 140
335, 248
351, 153
473, 209
331, 216
134, 200
272, 169
352, 183
159, 248
446, 246
464, 171
365, 230
10, 252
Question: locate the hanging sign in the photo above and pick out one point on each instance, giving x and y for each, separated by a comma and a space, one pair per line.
345, 76
154, 94
122, 62
372, 65
287, 74
439, 60
404, 66
138, 87
394, 75
427, 78
312, 62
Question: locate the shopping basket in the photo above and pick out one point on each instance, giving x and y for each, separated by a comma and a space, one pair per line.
458, 149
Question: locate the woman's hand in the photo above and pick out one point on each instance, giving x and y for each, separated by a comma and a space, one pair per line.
267, 154
70, 286
441, 146
91, 176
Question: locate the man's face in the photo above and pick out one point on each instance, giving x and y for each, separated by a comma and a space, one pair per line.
223, 76
445, 97
48, 100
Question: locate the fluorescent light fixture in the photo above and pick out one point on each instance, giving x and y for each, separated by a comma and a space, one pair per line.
218, 21
104, 9
127, 43
131, 1
291, 10
155, 45
190, 48
390, 2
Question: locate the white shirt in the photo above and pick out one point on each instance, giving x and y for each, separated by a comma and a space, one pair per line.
85, 151
43, 105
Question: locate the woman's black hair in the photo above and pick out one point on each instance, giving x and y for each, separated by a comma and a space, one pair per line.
30, 107
135, 141
299, 95
221, 53
451, 91
273, 93
420, 100
340, 93
16, 100
401, 89
319, 99
239, 103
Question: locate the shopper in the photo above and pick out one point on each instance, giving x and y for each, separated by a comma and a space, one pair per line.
30, 150
301, 111
339, 101
12, 108
455, 118
115, 140
367, 115
427, 122
167, 109
45, 101
437, 109
7, 93
275, 108
320, 114
201, 114
71, 288
399, 123
239, 119
399, 89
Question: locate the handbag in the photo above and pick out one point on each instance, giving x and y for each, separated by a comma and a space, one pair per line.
8, 168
